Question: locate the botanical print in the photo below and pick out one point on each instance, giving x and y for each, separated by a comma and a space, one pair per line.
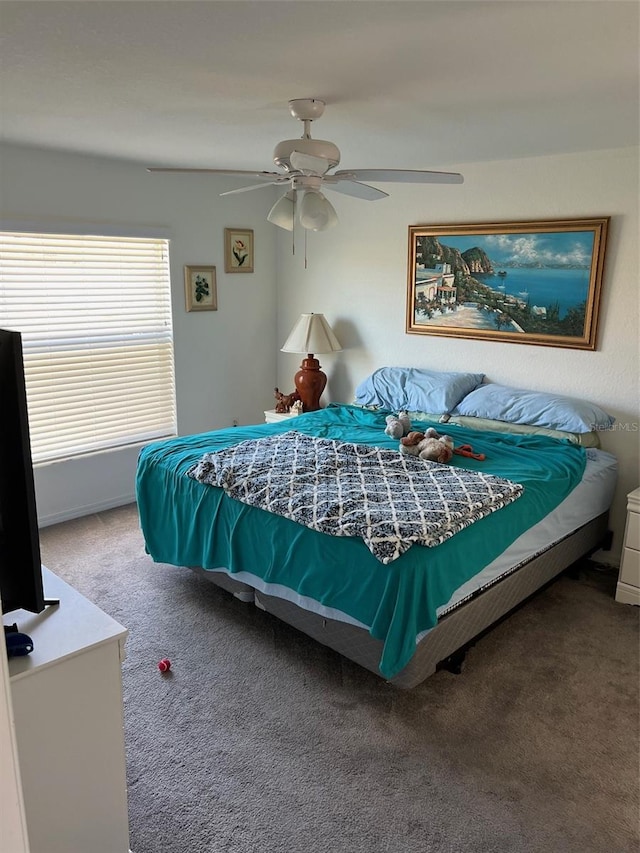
238, 250
200, 288
529, 282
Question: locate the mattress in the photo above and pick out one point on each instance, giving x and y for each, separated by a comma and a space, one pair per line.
590, 498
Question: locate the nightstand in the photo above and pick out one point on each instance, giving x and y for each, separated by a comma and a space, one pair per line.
628, 588
271, 416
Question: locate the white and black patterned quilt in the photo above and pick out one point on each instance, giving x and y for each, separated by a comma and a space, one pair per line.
389, 500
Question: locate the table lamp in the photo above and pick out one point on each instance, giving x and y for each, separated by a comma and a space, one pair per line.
311, 334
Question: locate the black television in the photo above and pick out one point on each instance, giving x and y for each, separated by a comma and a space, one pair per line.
21, 585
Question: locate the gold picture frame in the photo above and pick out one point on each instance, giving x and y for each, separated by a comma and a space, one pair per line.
518, 282
238, 250
200, 288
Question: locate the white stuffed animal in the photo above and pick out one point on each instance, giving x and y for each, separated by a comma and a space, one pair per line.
398, 425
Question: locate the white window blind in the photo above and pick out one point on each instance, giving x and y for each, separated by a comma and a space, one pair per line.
95, 318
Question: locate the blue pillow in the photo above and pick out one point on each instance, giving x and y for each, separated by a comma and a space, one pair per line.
416, 390
519, 406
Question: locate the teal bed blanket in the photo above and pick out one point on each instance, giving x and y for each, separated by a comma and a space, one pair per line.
188, 523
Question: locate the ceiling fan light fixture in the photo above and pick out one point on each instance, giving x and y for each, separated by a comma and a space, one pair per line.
316, 213
283, 212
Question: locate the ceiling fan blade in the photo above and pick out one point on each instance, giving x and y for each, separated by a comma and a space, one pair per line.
401, 176
256, 186
308, 163
265, 176
353, 188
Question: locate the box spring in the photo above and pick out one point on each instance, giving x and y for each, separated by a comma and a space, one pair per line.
453, 631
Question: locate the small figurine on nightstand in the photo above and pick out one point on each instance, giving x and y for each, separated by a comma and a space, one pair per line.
297, 408
285, 401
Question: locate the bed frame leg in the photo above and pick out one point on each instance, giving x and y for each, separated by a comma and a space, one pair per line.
573, 571
454, 662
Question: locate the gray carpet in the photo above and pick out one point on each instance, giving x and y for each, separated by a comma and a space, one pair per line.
262, 740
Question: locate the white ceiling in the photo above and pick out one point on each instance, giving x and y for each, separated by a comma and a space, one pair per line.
424, 84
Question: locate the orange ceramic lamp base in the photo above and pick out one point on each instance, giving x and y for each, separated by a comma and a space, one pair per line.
310, 382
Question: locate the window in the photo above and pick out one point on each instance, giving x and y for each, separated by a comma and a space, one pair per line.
95, 318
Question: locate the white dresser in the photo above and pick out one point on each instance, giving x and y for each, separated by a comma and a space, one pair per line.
67, 708
628, 588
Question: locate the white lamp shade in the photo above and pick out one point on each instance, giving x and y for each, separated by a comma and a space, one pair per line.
283, 212
312, 334
316, 213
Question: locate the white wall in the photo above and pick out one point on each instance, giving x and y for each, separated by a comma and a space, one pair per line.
225, 360
357, 276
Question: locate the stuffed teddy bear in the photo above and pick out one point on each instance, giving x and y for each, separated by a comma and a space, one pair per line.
428, 445
397, 425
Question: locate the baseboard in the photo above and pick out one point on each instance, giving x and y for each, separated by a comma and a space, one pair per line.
86, 509
627, 594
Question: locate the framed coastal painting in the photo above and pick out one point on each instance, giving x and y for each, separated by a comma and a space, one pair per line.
238, 250
521, 282
200, 288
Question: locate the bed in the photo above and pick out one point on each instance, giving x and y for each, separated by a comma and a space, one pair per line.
401, 618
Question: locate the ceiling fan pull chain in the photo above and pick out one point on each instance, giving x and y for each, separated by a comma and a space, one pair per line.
293, 230
305, 248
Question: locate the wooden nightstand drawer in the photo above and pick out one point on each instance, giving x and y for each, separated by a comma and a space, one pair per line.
630, 567
632, 537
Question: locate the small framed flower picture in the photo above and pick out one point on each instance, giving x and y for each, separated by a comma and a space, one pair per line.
238, 250
200, 288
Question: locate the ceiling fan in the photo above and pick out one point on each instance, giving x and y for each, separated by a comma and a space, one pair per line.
307, 165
